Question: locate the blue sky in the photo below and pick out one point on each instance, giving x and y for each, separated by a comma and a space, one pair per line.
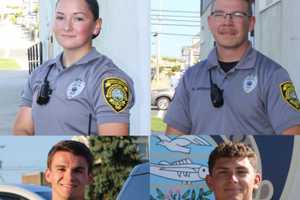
22, 155
171, 45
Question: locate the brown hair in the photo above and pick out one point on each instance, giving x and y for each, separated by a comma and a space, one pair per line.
74, 147
249, 2
231, 150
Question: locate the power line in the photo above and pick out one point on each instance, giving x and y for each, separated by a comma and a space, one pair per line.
183, 25
176, 20
176, 34
180, 16
176, 11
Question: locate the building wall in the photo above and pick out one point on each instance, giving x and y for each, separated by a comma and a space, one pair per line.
278, 35
291, 190
125, 38
206, 38
266, 33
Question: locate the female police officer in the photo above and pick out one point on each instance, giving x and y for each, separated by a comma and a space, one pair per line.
80, 91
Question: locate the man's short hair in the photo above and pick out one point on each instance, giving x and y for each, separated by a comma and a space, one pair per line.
249, 2
231, 150
74, 147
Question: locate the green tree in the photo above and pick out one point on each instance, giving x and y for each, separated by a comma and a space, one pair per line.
116, 156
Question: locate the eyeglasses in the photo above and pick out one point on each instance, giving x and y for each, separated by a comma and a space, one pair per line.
236, 16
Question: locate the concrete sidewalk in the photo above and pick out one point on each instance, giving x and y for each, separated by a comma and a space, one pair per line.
14, 42
11, 85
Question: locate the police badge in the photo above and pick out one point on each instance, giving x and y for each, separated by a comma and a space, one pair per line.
250, 83
75, 88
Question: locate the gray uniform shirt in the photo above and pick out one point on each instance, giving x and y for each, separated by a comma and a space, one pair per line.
92, 86
258, 98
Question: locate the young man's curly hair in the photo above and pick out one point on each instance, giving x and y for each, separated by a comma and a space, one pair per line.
231, 150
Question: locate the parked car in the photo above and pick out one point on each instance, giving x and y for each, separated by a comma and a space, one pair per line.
162, 98
24, 192
137, 184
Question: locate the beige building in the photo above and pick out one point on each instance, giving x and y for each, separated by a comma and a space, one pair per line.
36, 178
191, 54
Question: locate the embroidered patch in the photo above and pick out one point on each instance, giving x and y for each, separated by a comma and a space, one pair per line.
116, 93
250, 83
288, 93
75, 88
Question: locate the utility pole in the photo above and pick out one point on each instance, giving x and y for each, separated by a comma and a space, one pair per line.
1, 162
157, 56
158, 43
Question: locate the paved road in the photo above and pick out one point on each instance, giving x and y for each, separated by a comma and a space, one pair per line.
11, 84
13, 44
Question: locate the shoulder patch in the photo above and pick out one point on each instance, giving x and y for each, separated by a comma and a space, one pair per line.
288, 93
116, 93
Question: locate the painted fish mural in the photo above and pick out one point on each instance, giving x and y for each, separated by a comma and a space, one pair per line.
182, 170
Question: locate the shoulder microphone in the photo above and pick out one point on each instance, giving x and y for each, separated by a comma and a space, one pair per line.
43, 96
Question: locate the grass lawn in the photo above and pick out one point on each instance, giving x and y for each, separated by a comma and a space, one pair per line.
7, 63
157, 125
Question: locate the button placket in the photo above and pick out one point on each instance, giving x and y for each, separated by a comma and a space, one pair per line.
55, 77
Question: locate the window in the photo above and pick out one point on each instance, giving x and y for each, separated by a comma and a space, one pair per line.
204, 5
11, 196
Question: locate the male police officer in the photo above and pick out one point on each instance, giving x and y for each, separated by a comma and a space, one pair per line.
233, 172
236, 90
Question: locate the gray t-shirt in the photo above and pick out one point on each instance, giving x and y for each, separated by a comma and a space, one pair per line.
259, 98
94, 86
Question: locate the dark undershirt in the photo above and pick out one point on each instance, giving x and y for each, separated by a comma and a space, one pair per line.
227, 66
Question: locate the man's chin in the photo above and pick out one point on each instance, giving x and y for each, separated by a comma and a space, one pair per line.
230, 45
67, 194
234, 196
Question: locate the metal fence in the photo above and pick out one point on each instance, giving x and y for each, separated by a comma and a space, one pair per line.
35, 56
